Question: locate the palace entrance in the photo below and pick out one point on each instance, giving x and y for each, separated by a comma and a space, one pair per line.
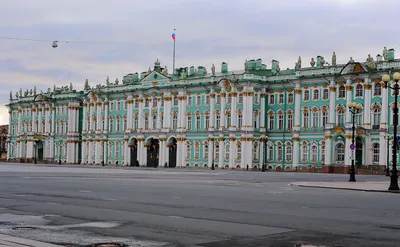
172, 149
133, 147
39, 150
153, 151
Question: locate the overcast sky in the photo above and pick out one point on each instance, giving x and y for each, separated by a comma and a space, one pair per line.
130, 35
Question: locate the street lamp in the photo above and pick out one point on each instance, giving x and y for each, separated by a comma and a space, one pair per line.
387, 170
394, 184
354, 108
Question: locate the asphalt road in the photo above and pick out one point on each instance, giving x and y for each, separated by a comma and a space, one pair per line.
83, 205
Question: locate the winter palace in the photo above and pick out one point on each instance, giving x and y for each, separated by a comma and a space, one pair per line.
283, 118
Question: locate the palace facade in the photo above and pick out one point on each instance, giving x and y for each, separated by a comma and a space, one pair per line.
281, 118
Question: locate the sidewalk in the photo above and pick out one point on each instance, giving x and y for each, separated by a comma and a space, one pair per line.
8, 241
360, 186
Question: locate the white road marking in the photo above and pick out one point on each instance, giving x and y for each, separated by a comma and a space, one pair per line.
177, 197
110, 199
174, 216
85, 191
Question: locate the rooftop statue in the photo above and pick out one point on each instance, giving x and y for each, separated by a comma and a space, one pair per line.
70, 86
10, 94
34, 90
312, 63
30, 92
385, 53
297, 65
108, 80
213, 69
20, 92
334, 59
370, 62
351, 60
116, 81
165, 71
246, 66
86, 87
16, 95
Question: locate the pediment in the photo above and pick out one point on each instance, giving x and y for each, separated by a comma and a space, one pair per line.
351, 68
154, 76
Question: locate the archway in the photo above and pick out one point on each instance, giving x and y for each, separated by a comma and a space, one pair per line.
39, 146
359, 152
172, 149
153, 150
133, 147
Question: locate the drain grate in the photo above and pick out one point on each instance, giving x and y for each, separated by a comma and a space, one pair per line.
24, 228
108, 245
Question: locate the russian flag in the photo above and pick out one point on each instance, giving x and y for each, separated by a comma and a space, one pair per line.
173, 35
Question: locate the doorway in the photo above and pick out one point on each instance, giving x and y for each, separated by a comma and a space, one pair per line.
153, 153
134, 152
359, 152
172, 148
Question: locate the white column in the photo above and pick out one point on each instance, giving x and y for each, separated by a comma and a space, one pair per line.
212, 110
332, 101
261, 149
141, 113
105, 148
385, 108
98, 115
183, 153
166, 153
142, 152
105, 127
40, 109
297, 100
223, 103
249, 118
183, 112
296, 149
84, 151
245, 110
382, 150
233, 110
262, 113
167, 111
97, 151
161, 152
46, 121
367, 104
349, 98
90, 153
210, 150
244, 154
249, 151
84, 120
347, 150
34, 109
129, 109
91, 113
328, 149
127, 153
19, 120
221, 157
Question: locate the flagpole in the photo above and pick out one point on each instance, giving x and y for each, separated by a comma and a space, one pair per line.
173, 59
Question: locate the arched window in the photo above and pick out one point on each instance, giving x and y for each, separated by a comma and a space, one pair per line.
315, 117
279, 153
270, 155
146, 122
340, 113
340, 152
377, 116
342, 92
255, 116
227, 149
306, 95
316, 94
290, 98
205, 151
174, 121
325, 94
118, 124
154, 102
189, 101
228, 119
290, 120
136, 123
359, 90
198, 100
240, 118
377, 89
323, 154
314, 153
289, 153
304, 153
109, 149
117, 149
280, 120
216, 153
271, 99
197, 150
189, 122
281, 99
306, 118
154, 122
271, 121
240, 98
217, 120
255, 151
188, 147
375, 152
239, 150
206, 120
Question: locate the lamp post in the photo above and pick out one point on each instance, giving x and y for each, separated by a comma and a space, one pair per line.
354, 108
387, 170
394, 184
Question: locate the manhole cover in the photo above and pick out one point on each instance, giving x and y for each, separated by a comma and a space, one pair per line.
108, 245
24, 228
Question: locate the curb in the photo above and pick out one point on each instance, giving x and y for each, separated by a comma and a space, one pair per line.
336, 188
11, 241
